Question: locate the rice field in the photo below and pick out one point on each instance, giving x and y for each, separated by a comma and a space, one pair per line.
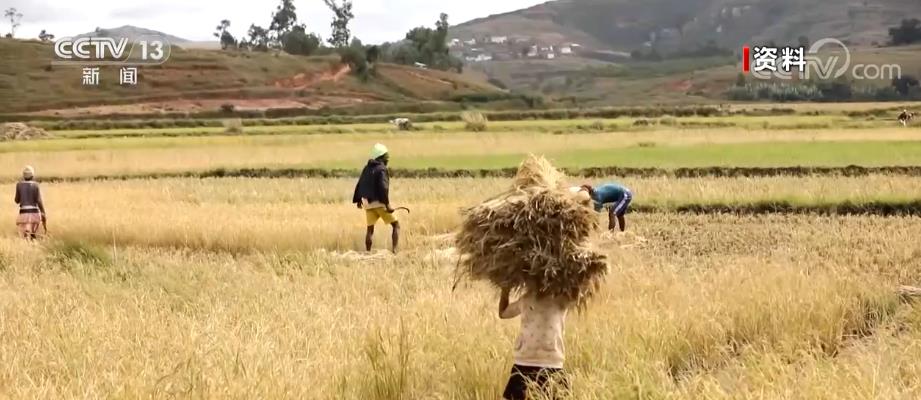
243, 215
671, 148
255, 288
706, 307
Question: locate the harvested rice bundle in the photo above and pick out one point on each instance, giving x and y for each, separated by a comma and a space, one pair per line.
533, 238
538, 172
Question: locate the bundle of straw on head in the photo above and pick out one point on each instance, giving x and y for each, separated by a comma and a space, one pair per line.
533, 238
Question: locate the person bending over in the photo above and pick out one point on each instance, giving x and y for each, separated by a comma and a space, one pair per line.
616, 198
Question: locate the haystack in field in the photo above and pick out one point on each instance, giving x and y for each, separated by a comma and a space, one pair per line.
20, 131
533, 238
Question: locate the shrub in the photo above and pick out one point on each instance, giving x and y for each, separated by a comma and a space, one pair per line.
299, 42
228, 108
474, 121
598, 125
357, 61
497, 83
668, 121
233, 126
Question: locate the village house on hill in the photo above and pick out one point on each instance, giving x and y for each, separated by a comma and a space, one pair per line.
508, 47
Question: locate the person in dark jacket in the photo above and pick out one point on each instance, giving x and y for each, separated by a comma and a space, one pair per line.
372, 194
31, 208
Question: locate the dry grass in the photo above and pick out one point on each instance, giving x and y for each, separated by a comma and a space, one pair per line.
708, 308
474, 121
233, 126
242, 215
217, 289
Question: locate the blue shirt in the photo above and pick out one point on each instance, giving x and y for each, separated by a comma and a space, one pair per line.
609, 193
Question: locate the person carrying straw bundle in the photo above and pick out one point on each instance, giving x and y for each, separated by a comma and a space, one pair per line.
31, 208
533, 240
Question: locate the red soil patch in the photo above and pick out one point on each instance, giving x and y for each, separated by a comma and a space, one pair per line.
305, 80
682, 86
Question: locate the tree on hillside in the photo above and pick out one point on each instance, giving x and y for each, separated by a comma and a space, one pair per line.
258, 38
373, 54
427, 46
356, 60
904, 84
403, 53
342, 15
909, 32
420, 37
45, 36
227, 40
14, 16
284, 19
299, 42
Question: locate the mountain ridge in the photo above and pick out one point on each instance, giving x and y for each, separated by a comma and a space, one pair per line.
133, 33
627, 25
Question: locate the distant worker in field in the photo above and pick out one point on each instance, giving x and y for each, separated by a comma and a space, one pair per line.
905, 117
403, 124
372, 194
31, 208
615, 197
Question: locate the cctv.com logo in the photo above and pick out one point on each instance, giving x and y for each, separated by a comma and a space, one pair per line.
100, 50
826, 59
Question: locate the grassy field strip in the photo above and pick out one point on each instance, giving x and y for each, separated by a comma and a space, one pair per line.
469, 140
709, 307
295, 214
830, 107
675, 149
546, 126
437, 173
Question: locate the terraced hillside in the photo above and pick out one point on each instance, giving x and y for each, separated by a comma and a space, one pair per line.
194, 80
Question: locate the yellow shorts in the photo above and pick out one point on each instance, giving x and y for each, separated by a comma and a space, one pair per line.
375, 214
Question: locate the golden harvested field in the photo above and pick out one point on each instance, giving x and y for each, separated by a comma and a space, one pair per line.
241, 215
256, 289
714, 307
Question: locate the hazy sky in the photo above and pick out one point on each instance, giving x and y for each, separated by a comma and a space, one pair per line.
375, 20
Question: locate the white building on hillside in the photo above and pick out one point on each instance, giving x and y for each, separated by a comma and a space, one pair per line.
483, 57
565, 50
498, 39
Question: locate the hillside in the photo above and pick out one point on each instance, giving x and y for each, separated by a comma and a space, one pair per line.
581, 48
203, 80
134, 33
673, 81
626, 25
